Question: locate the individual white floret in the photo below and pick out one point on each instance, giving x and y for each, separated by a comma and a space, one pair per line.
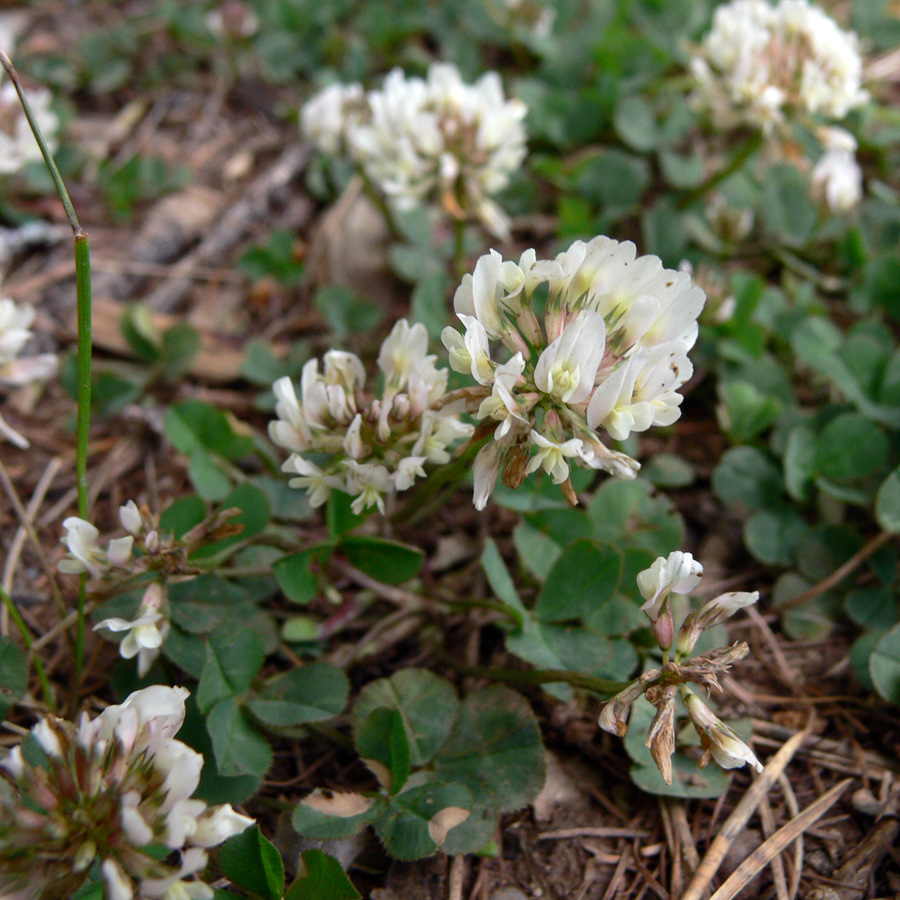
317, 483
118, 885
502, 405
215, 826
368, 483
146, 633
567, 368
85, 554
551, 456
837, 178
718, 740
485, 470
678, 572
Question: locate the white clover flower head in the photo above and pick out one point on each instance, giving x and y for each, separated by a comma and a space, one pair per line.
117, 783
718, 740
427, 140
762, 63
610, 352
678, 572
369, 446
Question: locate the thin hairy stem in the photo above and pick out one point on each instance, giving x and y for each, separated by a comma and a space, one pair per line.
428, 494
603, 686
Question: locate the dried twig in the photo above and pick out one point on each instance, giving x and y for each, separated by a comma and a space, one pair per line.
839, 574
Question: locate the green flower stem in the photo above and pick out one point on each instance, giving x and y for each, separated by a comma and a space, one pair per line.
35, 660
545, 676
429, 492
741, 155
83, 291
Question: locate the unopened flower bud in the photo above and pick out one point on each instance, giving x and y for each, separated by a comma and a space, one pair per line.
85, 856
119, 552
664, 630
151, 542
130, 517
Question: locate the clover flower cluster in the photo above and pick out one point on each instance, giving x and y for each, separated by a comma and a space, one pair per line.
143, 550
418, 140
109, 789
680, 573
610, 352
15, 371
370, 446
762, 63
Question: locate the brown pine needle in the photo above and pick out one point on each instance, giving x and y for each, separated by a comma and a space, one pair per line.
771, 848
